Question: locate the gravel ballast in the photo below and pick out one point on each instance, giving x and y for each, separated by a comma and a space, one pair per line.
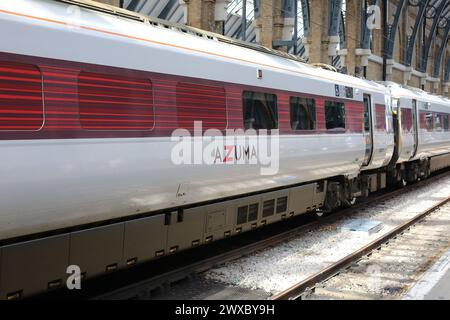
277, 268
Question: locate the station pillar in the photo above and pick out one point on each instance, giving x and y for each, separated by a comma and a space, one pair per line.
209, 15
352, 38
317, 42
264, 23
274, 23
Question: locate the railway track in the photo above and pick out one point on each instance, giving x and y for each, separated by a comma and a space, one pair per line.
333, 281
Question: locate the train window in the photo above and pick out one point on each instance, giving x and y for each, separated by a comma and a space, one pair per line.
260, 110
334, 115
366, 113
407, 119
446, 122
303, 113
389, 112
206, 104
429, 121
113, 102
21, 103
438, 121
380, 112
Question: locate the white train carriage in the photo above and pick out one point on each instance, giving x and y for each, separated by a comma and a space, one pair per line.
423, 135
86, 123
84, 170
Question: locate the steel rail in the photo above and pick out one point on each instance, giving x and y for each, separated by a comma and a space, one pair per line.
295, 291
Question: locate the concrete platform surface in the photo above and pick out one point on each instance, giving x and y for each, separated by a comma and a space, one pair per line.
434, 284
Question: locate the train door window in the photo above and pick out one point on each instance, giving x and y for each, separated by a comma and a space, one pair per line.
21, 103
446, 122
414, 115
260, 110
205, 104
429, 121
334, 115
366, 113
407, 119
303, 113
380, 112
390, 113
438, 121
114, 102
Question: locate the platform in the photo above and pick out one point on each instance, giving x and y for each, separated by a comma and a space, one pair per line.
435, 283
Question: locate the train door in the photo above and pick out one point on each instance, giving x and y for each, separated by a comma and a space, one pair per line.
415, 115
368, 129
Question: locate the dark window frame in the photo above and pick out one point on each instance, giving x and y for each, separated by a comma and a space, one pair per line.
335, 104
446, 121
272, 107
429, 126
437, 115
367, 113
309, 106
407, 112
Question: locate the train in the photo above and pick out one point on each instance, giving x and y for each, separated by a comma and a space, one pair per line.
90, 98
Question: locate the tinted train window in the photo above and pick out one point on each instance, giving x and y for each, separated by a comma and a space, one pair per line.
366, 113
438, 121
380, 111
201, 103
303, 113
334, 115
407, 119
429, 121
21, 105
112, 102
260, 110
446, 122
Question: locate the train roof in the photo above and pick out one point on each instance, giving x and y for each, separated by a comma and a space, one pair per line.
214, 44
398, 91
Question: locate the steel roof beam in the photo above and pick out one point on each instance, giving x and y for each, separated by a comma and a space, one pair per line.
392, 30
342, 30
426, 49
438, 60
334, 13
366, 32
306, 17
412, 39
447, 70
